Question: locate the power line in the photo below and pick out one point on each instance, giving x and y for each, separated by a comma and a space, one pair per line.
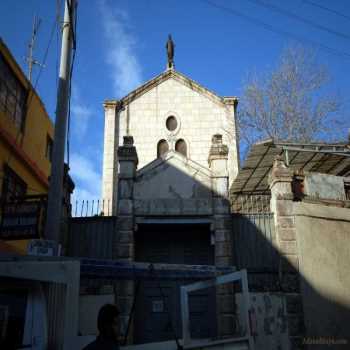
276, 30
300, 19
326, 9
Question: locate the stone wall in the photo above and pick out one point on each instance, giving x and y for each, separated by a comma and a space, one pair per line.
313, 239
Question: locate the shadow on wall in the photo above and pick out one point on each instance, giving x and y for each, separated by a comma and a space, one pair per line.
284, 299
315, 317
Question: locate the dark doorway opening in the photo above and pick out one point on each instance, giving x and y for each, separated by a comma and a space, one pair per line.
157, 316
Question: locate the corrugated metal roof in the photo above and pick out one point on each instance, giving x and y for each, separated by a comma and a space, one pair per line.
323, 158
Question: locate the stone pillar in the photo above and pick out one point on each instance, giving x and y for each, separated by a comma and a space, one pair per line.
110, 160
124, 244
218, 155
280, 180
233, 139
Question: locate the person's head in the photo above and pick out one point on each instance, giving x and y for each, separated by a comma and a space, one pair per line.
107, 321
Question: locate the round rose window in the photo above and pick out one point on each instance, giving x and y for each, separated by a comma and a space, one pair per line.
171, 123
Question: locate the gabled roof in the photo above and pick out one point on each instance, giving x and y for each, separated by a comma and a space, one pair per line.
173, 155
181, 78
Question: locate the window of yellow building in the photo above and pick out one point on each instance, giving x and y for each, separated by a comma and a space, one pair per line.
12, 94
13, 185
49, 148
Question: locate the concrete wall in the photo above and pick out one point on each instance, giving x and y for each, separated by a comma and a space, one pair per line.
323, 236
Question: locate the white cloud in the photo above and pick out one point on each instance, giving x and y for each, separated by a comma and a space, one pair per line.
120, 55
87, 179
80, 112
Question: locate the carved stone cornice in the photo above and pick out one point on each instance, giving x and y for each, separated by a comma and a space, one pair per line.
230, 100
179, 77
111, 104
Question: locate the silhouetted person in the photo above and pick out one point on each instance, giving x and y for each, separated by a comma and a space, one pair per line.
107, 324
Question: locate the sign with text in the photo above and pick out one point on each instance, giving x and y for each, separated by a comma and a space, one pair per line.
21, 220
43, 247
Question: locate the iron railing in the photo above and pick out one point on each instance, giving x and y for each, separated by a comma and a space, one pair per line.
92, 207
251, 203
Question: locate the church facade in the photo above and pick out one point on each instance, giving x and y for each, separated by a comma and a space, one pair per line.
170, 154
169, 113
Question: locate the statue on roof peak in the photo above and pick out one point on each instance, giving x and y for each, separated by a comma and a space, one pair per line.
170, 48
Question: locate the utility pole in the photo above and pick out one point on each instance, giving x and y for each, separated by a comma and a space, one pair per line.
31, 61
54, 206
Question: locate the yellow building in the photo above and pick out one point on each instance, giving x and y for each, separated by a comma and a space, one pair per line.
26, 138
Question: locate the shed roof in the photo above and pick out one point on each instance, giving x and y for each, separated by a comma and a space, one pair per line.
323, 158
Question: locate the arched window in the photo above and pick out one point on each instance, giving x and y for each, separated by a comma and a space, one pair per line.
162, 148
180, 146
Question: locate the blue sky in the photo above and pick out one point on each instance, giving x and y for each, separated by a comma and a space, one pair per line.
121, 44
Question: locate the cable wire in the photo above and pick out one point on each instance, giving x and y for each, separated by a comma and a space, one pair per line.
273, 29
326, 9
300, 19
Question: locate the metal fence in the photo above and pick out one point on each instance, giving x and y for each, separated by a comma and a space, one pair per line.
91, 237
250, 203
254, 249
254, 239
92, 207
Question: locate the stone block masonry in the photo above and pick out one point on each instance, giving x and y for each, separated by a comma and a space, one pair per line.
143, 114
283, 208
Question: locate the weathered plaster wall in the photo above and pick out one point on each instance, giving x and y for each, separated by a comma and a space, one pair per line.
324, 186
323, 235
270, 326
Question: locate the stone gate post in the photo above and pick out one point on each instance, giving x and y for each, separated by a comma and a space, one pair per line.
282, 206
124, 242
218, 156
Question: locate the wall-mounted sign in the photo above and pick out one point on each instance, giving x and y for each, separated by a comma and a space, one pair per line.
43, 247
21, 220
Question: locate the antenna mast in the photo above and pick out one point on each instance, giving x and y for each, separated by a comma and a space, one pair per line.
30, 60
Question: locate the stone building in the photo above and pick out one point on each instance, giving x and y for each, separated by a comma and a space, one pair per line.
170, 155
168, 113
178, 195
